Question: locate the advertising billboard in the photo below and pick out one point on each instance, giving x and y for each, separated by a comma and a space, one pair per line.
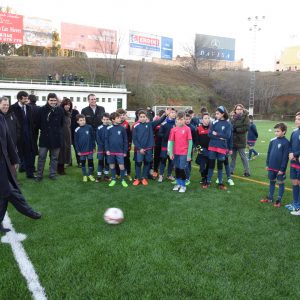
150, 45
212, 47
37, 32
11, 28
88, 39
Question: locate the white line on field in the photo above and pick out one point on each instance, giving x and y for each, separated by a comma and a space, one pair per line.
14, 239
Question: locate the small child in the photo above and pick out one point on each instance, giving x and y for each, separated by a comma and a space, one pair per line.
277, 160
116, 146
219, 135
180, 150
202, 142
85, 145
164, 132
101, 154
251, 139
188, 123
126, 125
294, 155
143, 139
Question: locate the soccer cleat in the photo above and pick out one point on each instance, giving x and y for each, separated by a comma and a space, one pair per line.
160, 178
217, 181
290, 207
144, 181
155, 174
174, 181
98, 179
247, 174
222, 187
84, 179
187, 182
230, 182
296, 212
203, 180
255, 156
91, 178
265, 200
206, 185
176, 187
171, 178
277, 204
136, 182
124, 183
182, 189
112, 183
129, 177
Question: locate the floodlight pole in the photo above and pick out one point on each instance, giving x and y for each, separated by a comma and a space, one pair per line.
254, 28
122, 67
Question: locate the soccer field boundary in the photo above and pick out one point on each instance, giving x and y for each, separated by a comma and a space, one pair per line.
25, 265
252, 180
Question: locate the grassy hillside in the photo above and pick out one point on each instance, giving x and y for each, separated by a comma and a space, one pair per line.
150, 83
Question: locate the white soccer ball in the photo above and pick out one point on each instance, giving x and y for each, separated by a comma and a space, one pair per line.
113, 215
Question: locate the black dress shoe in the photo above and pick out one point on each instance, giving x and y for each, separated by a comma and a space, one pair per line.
4, 230
35, 215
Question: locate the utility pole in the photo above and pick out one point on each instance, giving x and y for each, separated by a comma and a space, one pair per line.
254, 28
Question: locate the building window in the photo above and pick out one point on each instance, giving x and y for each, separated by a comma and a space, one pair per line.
103, 99
78, 99
97, 99
84, 99
44, 98
37, 98
72, 99
109, 99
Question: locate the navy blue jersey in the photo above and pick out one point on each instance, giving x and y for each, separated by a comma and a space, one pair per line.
142, 134
219, 142
164, 132
278, 154
100, 138
84, 139
193, 131
295, 148
116, 141
252, 133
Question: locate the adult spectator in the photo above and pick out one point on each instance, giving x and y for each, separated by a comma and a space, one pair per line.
74, 125
64, 157
57, 78
50, 78
70, 78
75, 78
9, 189
150, 113
81, 79
63, 79
93, 113
240, 124
27, 147
35, 115
51, 129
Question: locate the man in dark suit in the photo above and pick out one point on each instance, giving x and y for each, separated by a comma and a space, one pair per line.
9, 190
93, 113
27, 147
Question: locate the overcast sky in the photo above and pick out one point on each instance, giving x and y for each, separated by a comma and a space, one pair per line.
181, 20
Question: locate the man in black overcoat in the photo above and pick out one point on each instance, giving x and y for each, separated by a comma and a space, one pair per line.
9, 189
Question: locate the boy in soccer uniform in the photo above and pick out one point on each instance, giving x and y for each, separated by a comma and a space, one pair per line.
294, 154
180, 150
202, 142
219, 134
101, 154
164, 132
143, 139
188, 119
276, 164
85, 146
116, 146
251, 139
126, 125
157, 147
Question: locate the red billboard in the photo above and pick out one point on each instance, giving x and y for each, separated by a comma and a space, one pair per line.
11, 28
88, 39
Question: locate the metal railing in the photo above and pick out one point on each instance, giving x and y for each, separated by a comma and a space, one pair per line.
62, 83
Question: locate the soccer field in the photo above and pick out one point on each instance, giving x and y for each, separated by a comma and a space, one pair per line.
202, 244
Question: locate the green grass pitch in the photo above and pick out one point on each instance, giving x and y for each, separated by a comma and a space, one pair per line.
204, 244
